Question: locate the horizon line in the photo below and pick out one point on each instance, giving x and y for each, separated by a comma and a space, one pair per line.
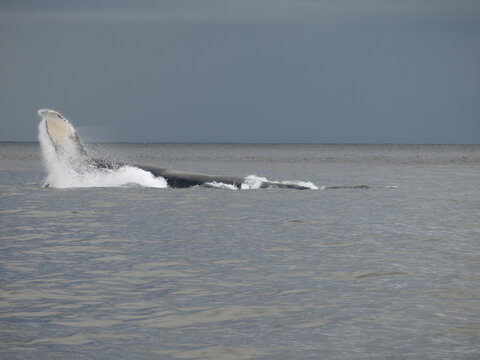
248, 143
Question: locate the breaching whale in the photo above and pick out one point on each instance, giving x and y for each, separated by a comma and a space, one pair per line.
60, 140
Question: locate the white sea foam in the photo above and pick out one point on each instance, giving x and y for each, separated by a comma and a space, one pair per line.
70, 169
253, 182
257, 182
307, 184
220, 185
95, 177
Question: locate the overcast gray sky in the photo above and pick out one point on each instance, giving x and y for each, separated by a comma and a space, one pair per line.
334, 71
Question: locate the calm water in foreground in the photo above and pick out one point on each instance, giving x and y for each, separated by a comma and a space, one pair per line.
145, 273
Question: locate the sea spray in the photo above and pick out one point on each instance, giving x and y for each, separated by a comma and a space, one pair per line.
71, 170
258, 182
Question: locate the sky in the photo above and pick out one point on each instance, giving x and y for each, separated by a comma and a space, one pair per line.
307, 71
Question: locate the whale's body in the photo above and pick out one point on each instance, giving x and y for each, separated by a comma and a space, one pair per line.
58, 138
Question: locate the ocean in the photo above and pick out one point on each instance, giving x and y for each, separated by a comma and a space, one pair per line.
131, 270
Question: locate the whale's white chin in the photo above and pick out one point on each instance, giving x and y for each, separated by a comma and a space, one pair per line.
58, 129
61, 133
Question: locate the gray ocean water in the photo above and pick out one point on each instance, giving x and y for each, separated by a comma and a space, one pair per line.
144, 273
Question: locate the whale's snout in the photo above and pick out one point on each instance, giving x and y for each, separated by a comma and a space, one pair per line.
60, 132
46, 113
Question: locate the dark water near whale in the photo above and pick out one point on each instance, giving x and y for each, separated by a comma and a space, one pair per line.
145, 273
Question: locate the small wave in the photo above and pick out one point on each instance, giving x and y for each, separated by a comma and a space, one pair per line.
253, 182
258, 182
219, 185
124, 176
306, 184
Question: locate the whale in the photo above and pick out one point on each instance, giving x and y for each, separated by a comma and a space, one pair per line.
58, 137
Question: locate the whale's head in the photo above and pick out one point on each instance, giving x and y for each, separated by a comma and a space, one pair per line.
60, 132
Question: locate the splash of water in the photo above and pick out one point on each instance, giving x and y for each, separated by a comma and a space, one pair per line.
258, 182
72, 169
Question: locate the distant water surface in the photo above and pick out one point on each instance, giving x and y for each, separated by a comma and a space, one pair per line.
389, 272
